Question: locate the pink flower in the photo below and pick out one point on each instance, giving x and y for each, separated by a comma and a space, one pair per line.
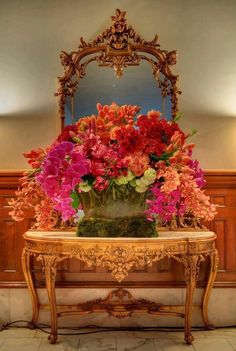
99, 150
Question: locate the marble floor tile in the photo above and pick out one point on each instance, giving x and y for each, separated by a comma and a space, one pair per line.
139, 344
213, 344
18, 333
97, 344
23, 339
65, 343
20, 344
166, 344
152, 334
219, 333
2, 340
232, 341
228, 331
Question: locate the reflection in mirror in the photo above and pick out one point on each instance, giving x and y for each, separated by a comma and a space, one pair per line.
137, 86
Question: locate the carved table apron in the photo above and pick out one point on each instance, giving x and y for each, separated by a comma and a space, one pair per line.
121, 255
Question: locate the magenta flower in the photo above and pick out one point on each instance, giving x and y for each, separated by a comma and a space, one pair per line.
198, 173
165, 205
61, 172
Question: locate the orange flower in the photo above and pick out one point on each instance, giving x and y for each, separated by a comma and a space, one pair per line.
138, 163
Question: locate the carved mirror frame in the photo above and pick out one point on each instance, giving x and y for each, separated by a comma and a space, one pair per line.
118, 47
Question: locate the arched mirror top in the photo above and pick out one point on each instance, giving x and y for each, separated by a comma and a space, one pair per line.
118, 47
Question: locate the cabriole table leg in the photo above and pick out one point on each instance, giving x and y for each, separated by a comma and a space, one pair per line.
30, 284
49, 264
191, 269
214, 259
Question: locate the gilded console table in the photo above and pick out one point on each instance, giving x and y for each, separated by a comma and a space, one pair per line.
120, 255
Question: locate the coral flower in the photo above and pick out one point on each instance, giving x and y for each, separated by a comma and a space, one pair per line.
138, 163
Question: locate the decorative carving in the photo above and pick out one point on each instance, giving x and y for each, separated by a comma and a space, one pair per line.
119, 259
119, 304
208, 246
118, 47
118, 62
191, 266
192, 248
118, 35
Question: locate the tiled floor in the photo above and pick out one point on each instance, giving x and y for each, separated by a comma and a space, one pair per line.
22, 339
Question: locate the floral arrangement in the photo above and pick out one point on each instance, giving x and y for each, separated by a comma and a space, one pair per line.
119, 152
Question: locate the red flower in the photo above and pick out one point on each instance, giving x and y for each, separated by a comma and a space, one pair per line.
65, 135
101, 183
129, 140
97, 168
35, 157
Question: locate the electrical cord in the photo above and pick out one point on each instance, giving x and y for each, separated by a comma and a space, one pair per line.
98, 329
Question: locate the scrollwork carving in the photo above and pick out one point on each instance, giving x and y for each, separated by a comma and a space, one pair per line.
118, 35
49, 265
120, 260
119, 303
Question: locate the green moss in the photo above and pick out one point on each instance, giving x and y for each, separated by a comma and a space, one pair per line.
137, 226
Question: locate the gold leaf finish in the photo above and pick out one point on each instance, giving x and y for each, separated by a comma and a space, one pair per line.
120, 255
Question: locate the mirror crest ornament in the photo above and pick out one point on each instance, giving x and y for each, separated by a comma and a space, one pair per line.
118, 47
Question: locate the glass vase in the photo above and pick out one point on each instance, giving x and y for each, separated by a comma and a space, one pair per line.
115, 212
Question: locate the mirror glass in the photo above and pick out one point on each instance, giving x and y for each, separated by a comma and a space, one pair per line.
137, 86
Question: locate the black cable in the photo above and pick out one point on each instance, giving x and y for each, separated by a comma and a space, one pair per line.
99, 329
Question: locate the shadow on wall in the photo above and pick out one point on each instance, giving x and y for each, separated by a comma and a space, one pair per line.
215, 139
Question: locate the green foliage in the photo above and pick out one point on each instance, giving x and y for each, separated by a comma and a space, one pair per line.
75, 197
136, 226
177, 117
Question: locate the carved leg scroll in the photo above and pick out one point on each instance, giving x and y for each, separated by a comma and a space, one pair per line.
49, 263
29, 281
214, 258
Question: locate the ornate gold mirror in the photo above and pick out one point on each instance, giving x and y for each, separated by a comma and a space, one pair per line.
148, 76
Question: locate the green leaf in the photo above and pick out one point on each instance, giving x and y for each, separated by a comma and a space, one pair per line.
75, 197
193, 131
164, 157
154, 157
177, 117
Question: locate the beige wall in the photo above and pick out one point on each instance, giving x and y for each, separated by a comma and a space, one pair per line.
32, 33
